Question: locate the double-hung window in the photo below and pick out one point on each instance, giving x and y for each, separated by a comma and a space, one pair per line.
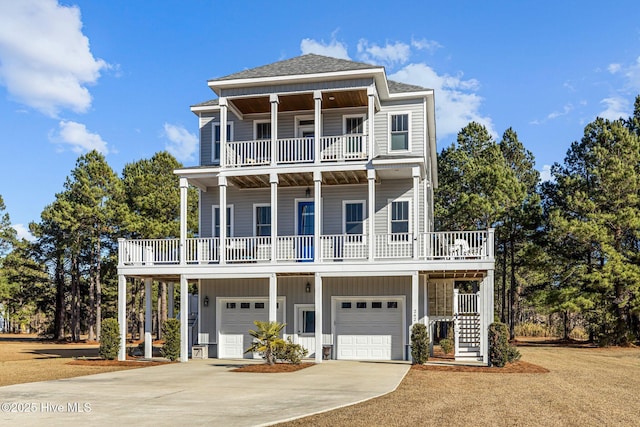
354, 141
216, 140
216, 221
353, 218
263, 220
399, 132
399, 220
263, 130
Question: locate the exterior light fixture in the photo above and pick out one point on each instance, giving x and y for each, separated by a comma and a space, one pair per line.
307, 289
205, 302
307, 193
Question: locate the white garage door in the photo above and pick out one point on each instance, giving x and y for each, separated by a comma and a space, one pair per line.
236, 318
369, 329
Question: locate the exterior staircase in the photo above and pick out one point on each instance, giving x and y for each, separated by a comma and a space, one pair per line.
467, 327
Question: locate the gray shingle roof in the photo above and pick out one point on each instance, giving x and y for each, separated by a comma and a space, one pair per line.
309, 64
397, 87
305, 64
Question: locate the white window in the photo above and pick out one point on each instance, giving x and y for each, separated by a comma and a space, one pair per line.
262, 220
400, 220
215, 152
216, 221
262, 129
399, 132
353, 217
353, 125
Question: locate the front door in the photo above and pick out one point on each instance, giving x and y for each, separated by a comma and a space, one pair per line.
305, 326
305, 228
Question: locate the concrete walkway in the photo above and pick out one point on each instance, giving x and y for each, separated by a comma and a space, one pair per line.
201, 392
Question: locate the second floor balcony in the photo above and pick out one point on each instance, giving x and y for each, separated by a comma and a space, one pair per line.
463, 245
284, 151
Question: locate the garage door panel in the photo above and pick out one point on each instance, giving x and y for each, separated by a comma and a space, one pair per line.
368, 333
235, 323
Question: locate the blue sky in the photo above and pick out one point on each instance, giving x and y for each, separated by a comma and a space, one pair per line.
119, 76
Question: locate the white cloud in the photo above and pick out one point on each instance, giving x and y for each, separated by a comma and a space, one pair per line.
78, 138
565, 110
334, 48
614, 68
45, 60
545, 173
389, 54
616, 107
424, 44
23, 232
182, 143
457, 104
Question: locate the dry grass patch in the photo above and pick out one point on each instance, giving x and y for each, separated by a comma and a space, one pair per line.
26, 358
584, 386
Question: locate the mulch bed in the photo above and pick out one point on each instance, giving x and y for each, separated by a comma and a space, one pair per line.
518, 367
273, 369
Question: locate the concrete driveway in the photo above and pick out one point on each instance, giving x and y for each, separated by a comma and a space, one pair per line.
200, 392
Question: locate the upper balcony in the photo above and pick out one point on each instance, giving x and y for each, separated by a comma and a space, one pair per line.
434, 246
296, 150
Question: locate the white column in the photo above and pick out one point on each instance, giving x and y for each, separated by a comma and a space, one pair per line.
273, 179
274, 100
184, 319
416, 210
414, 302
223, 131
184, 186
317, 215
371, 110
170, 300
273, 298
456, 324
486, 293
318, 308
317, 117
122, 315
148, 340
371, 177
222, 185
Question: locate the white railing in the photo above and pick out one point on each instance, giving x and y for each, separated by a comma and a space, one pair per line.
343, 147
248, 153
467, 303
295, 249
248, 249
149, 251
344, 246
455, 245
295, 150
396, 245
203, 250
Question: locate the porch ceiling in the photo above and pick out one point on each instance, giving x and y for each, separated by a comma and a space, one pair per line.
458, 275
303, 101
301, 179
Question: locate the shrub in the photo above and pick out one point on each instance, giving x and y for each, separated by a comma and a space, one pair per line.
109, 339
531, 329
446, 345
266, 340
419, 344
500, 351
289, 352
171, 335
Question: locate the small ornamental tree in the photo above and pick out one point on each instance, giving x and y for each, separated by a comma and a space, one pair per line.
267, 340
109, 339
171, 335
419, 344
